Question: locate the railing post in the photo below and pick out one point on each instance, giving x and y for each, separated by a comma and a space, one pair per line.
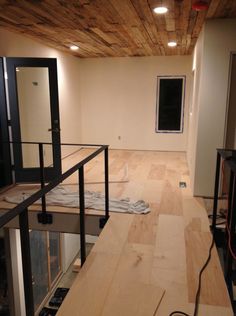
42, 175
82, 215
43, 217
106, 161
216, 191
26, 262
231, 221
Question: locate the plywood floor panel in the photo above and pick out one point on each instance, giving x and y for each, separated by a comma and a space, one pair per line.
157, 255
197, 246
148, 264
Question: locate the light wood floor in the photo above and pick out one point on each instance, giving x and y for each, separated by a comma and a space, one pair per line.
147, 264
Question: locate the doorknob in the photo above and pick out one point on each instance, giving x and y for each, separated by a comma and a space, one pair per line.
56, 130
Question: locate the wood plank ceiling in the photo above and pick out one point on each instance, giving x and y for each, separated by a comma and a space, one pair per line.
114, 28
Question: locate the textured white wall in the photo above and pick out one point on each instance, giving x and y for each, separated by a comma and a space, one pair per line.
194, 107
118, 95
118, 98
70, 248
218, 43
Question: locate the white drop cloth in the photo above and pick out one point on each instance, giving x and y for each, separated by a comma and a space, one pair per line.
63, 197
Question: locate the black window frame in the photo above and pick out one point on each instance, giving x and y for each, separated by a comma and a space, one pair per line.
181, 129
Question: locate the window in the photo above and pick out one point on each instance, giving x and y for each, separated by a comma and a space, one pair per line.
170, 103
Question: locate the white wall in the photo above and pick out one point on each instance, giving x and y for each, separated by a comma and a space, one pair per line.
194, 108
17, 272
118, 95
219, 41
70, 248
118, 98
14, 45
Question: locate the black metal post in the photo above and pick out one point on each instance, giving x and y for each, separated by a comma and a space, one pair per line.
231, 221
26, 263
42, 175
82, 215
216, 191
230, 194
106, 166
228, 260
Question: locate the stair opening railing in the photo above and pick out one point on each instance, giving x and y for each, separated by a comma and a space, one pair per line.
44, 217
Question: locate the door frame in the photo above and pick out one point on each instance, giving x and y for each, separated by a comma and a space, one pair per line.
33, 174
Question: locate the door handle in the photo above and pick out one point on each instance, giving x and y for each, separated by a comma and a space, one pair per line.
56, 130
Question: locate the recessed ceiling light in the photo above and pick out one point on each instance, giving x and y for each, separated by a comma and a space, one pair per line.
172, 44
74, 47
160, 10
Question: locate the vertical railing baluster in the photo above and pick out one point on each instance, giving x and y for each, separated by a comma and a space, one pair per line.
82, 215
42, 175
231, 221
106, 167
26, 263
216, 192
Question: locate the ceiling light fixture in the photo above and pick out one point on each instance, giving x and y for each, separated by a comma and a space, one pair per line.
160, 10
172, 44
74, 47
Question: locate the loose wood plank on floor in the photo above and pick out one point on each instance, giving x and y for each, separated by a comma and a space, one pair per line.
197, 247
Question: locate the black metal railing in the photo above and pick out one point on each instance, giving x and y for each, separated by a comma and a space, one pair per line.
44, 217
225, 235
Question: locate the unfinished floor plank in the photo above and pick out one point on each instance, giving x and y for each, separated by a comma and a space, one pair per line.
114, 235
87, 297
133, 299
143, 228
171, 200
157, 171
143, 262
149, 254
197, 248
195, 215
131, 292
170, 249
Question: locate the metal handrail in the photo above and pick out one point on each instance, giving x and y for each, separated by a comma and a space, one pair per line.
48, 143
21, 210
4, 219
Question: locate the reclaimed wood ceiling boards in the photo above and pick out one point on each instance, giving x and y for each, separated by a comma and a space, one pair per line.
114, 28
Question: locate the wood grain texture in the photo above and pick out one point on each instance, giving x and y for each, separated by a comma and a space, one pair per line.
197, 246
113, 28
171, 200
155, 256
132, 299
143, 264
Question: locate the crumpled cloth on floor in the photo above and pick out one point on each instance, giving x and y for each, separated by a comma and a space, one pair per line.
63, 197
